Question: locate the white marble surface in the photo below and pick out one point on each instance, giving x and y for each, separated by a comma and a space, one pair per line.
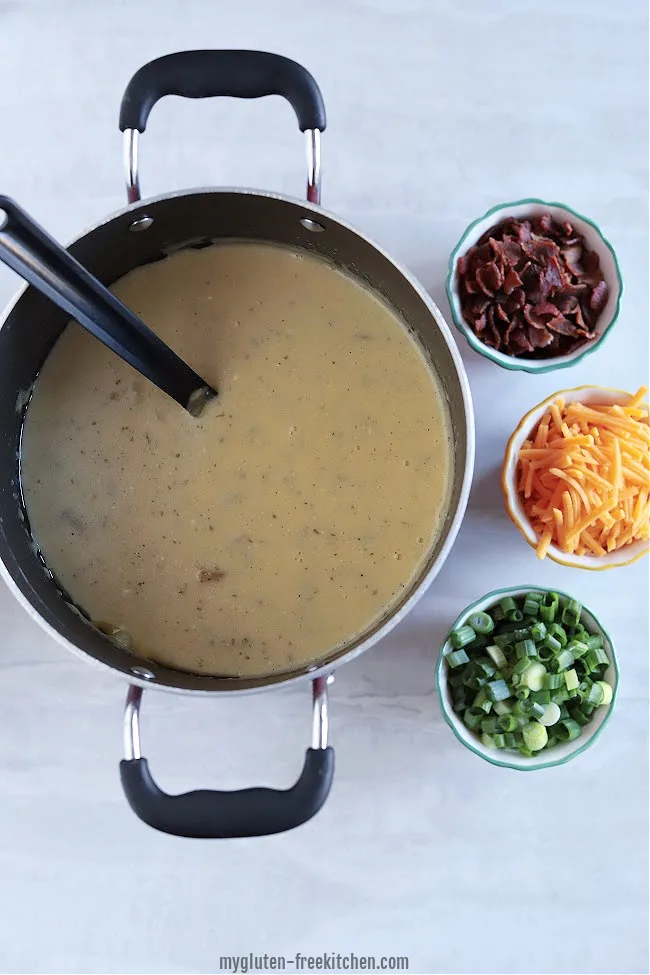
436, 111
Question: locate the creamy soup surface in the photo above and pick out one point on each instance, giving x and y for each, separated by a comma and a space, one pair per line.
285, 520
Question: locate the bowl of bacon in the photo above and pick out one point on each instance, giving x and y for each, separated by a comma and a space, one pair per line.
534, 286
576, 477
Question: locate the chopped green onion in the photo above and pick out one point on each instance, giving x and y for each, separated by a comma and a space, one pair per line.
473, 718
579, 716
473, 681
551, 715
553, 681
563, 661
544, 653
489, 724
497, 672
507, 722
522, 706
498, 690
538, 631
596, 658
522, 633
585, 685
461, 637
525, 648
595, 642
567, 730
531, 605
482, 701
533, 676
497, 655
535, 596
571, 680
577, 648
484, 666
552, 643
456, 658
549, 606
501, 707
535, 736
536, 710
571, 613
607, 691
558, 631
481, 622
596, 694
521, 666
578, 633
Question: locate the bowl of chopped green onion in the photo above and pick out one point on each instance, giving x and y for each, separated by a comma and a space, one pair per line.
527, 677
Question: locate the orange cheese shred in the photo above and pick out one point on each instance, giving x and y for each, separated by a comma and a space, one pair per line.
584, 476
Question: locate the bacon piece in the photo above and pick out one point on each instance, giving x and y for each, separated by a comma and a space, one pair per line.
489, 279
598, 297
511, 281
531, 287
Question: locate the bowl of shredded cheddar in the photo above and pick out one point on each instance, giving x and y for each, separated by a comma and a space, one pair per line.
576, 477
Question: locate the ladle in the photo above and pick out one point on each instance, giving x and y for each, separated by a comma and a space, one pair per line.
30, 251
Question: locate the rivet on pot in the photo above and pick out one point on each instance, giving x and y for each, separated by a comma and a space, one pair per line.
142, 223
143, 673
312, 225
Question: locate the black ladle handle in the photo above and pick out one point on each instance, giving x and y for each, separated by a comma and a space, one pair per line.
30, 251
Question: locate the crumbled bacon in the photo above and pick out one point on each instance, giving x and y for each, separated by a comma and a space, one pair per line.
532, 288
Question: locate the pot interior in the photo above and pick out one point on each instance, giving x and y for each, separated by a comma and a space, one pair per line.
126, 241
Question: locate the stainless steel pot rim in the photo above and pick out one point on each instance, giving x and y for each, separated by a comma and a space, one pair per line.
316, 213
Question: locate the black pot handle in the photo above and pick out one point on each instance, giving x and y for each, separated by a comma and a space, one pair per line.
205, 814
206, 74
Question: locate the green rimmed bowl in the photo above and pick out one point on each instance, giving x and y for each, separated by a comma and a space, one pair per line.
507, 758
594, 240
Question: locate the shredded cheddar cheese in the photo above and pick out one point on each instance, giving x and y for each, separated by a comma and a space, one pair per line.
584, 476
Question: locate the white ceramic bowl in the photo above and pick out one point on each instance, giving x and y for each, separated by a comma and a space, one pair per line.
583, 394
594, 240
509, 758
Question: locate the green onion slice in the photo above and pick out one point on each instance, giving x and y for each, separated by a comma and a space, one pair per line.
481, 622
535, 736
567, 730
461, 637
456, 658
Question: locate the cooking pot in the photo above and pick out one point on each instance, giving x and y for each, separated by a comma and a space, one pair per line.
147, 231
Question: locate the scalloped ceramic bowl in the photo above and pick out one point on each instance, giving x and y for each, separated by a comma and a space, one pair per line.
507, 758
595, 241
583, 394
